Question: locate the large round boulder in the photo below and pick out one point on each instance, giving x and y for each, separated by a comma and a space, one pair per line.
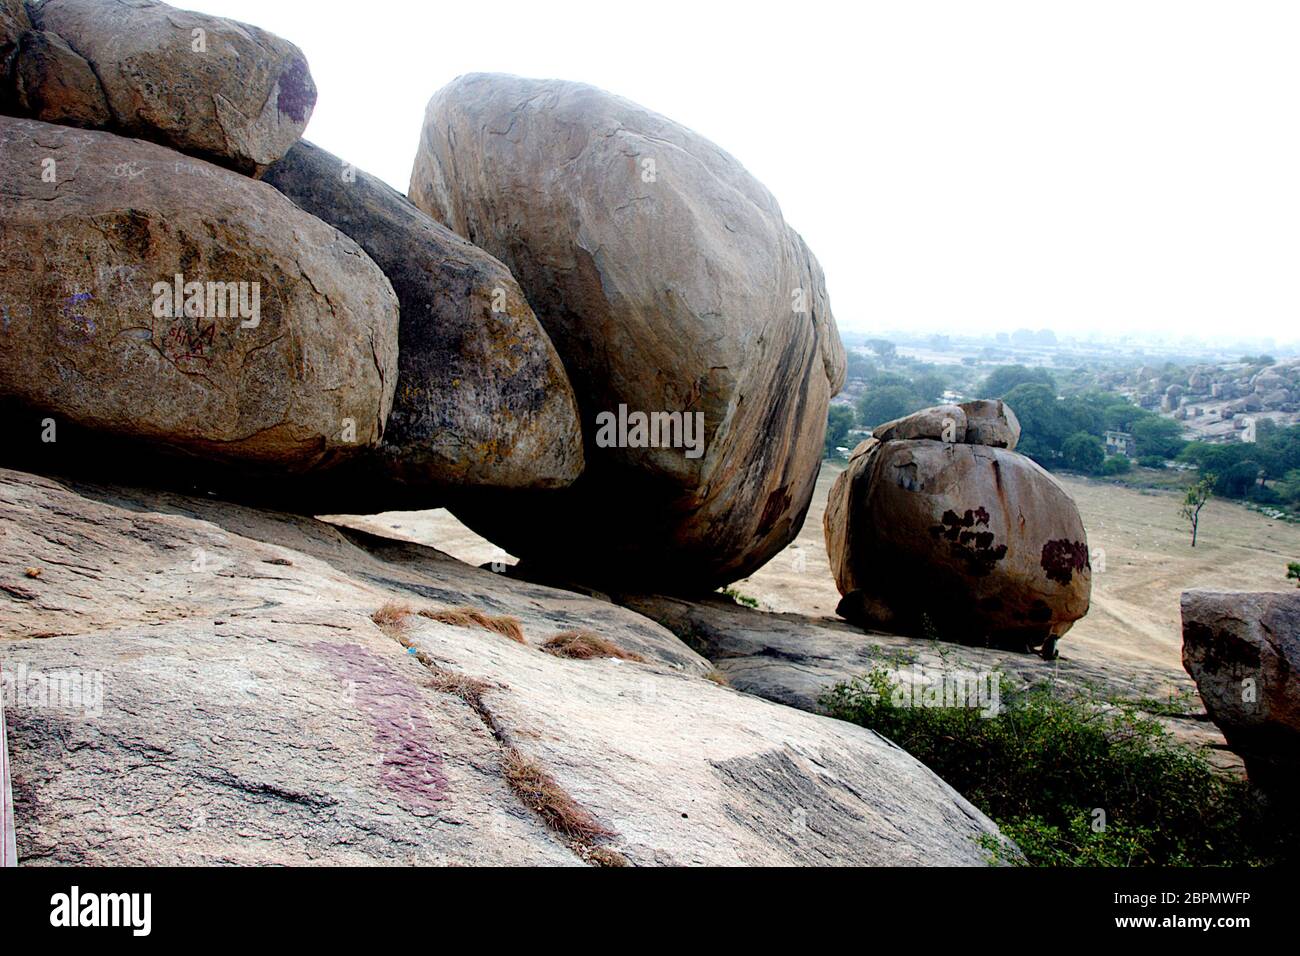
145, 295
692, 320
970, 541
482, 398
204, 85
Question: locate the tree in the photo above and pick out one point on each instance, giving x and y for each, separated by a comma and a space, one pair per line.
1158, 436
838, 422
929, 387
1006, 377
1195, 499
883, 347
1083, 452
1116, 465
1044, 424
885, 403
1293, 571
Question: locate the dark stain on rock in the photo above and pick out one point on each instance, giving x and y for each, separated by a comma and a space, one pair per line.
778, 502
977, 548
1062, 558
297, 92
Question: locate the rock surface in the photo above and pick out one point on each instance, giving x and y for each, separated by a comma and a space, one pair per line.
940, 423
990, 421
214, 88
56, 85
1243, 651
14, 22
91, 223
482, 398
670, 283
978, 543
251, 711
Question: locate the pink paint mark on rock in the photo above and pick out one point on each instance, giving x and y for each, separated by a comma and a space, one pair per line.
411, 768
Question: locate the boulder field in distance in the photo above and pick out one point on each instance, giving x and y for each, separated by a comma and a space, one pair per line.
669, 282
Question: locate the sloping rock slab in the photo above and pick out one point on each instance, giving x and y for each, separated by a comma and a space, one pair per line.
251, 711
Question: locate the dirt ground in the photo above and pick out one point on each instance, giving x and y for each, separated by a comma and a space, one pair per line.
1142, 561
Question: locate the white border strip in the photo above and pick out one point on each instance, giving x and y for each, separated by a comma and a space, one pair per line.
8, 845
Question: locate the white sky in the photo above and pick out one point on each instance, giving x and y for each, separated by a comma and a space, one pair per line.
1092, 166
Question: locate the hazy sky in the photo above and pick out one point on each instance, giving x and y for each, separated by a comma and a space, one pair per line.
1086, 166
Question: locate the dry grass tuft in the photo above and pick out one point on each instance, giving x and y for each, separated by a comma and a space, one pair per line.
541, 794
391, 618
468, 689
472, 617
584, 645
718, 678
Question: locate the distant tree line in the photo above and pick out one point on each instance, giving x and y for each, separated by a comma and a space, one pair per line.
1068, 432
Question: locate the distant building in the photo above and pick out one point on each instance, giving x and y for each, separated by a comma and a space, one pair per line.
1121, 443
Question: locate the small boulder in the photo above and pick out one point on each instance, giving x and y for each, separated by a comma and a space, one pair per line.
941, 423
991, 422
278, 347
225, 91
1243, 651
482, 398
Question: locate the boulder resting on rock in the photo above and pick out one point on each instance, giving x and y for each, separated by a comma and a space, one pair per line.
153, 297
203, 85
692, 320
975, 542
482, 398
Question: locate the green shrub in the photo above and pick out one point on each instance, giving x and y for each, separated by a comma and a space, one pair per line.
1116, 465
739, 598
1045, 765
1293, 571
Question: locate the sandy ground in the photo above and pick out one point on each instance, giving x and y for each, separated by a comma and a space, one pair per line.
1142, 560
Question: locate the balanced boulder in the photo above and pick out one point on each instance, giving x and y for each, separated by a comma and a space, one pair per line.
972, 541
203, 85
692, 320
150, 296
1243, 651
482, 398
